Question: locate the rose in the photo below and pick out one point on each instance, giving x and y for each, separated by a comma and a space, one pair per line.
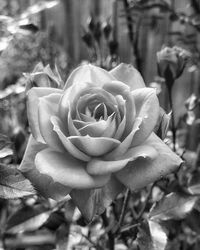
43, 77
95, 136
171, 62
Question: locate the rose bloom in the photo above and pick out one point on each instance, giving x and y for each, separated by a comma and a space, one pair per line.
174, 59
95, 137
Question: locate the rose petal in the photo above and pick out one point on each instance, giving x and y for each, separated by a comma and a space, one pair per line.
121, 126
100, 128
32, 109
99, 167
118, 88
125, 145
94, 146
42, 183
127, 74
69, 146
88, 73
147, 107
48, 106
142, 172
65, 169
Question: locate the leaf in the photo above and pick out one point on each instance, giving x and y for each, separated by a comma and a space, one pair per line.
27, 219
13, 184
172, 206
194, 184
5, 152
151, 236
4, 141
93, 202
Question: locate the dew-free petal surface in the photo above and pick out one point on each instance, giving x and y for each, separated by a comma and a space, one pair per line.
94, 146
48, 106
127, 74
68, 171
33, 96
99, 166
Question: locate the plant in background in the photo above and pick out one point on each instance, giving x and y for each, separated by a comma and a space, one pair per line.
171, 63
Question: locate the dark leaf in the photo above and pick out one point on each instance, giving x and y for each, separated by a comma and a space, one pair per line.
151, 236
13, 184
172, 206
27, 219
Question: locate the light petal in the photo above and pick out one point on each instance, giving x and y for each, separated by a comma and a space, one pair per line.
48, 106
142, 172
99, 167
42, 183
69, 146
32, 108
88, 73
94, 146
126, 144
147, 108
68, 171
127, 74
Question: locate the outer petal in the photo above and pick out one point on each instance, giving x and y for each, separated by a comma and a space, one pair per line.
32, 108
65, 169
127, 74
142, 172
43, 183
99, 167
147, 108
88, 73
48, 107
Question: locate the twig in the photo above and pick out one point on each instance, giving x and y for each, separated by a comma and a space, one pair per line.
128, 228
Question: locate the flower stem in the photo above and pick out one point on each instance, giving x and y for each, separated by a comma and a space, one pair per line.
122, 215
172, 120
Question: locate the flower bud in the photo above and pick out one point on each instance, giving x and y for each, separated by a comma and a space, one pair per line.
43, 77
171, 63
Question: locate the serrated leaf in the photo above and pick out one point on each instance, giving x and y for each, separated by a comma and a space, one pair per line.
151, 236
27, 219
172, 206
13, 184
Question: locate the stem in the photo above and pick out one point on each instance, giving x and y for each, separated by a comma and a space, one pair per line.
110, 234
122, 215
173, 120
